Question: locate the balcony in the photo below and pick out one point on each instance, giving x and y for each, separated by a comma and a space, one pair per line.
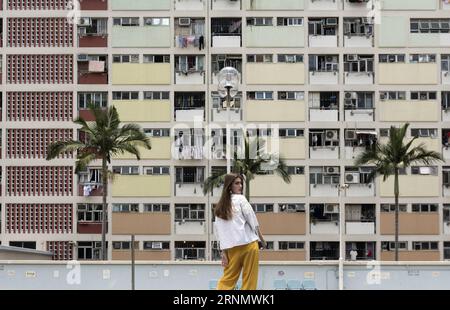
275, 36
412, 186
274, 186
89, 227
324, 190
219, 108
90, 183
324, 144
324, 219
92, 69
291, 255
189, 181
94, 5
359, 115
226, 32
283, 223
128, 223
358, 141
140, 5
326, 77
190, 33
270, 5
188, 144
324, 115
414, 223
190, 76
408, 74
359, 78
189, 107
324, 106
445, 77
322, 5
141, 186
94, 33
141, 36
323, 32
430, 255
275, 73
360, 219
226, 5
141, 74
365, 250
143, 110
401, 111
275, 110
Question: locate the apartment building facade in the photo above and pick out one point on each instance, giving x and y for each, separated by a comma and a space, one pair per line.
327, 77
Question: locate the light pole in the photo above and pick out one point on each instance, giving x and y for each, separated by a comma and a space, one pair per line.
342, 187
228, 79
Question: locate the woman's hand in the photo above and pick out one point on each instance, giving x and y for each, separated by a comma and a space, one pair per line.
224, 260
263, 244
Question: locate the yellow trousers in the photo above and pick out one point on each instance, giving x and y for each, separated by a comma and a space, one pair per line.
244, 257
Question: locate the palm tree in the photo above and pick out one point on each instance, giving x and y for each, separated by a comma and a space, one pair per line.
395, 155
104, 139
248, 167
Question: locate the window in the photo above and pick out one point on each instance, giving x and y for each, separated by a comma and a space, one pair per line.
291, 245
156, 95
289, 21
424, 95
425, 245
423, 132
291, 95
422, 58
393, 95
445, 63
324, 175
90, 250
125, 95
324, 63
296, 170
358, 27
189, 175
260, 95
126, 170
156, 245
322, 26
429, 25
124, 245
291, 58
390, 58
98, 99
156, 58
156, 21
292, 207
126, 21
134, 58
267, 58
390, 245
262, 207
424, 170
189, 63
89, 212
445, 101
424, 207
358, 63
23, 244
156, 207
391, 208
291, 133
157, 170
259, 21
125, 207
163, 132
189, 212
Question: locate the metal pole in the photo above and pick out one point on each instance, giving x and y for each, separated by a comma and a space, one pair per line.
341, 241
132, 262
228, 153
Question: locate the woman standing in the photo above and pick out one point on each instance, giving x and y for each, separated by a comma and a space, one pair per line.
237, 231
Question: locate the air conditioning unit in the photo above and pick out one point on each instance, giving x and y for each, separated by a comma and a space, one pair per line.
351, 177
331, 135
85, 21
350, 134
83, 57
352, 57
366, 20
329, 59
82, 31
350, 95
383, 96
157, 245
330, 208
184, 21
332, 21
331, 170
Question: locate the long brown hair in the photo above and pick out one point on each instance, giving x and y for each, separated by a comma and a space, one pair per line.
223, 207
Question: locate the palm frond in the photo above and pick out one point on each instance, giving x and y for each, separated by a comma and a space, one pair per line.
57, 148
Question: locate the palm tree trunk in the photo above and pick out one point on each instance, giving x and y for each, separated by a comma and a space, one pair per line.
247, 189
396, 194
105, 207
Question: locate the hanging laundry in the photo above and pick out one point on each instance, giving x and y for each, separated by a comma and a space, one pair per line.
201, 43
87, 189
